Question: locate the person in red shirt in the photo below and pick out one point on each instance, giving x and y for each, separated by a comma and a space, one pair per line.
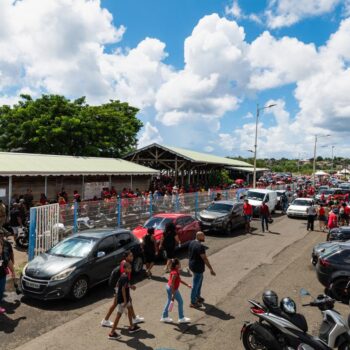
347, 214
332, 220
248, 214
265, 216
173, 293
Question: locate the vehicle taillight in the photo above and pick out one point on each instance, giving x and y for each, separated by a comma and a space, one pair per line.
256, 310
325, 263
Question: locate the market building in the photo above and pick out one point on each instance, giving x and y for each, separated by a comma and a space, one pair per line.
43, 173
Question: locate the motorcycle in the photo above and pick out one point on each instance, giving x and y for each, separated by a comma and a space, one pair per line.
281, 329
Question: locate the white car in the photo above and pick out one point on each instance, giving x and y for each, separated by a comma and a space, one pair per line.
298, 207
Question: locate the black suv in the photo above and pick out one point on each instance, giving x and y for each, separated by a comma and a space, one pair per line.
339, 234
333, 271
78, 263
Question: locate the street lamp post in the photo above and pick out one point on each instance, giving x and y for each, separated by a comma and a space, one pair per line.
256, 137
314, 162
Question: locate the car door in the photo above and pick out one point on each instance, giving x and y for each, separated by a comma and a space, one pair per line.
237, 215
102, 266
180, 223
124, 243
190, 228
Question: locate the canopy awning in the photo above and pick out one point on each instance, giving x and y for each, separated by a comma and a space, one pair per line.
26, 164
247, 170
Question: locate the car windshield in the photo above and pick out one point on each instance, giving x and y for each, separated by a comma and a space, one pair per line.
256, 195
301, 202
327, 192
220, 207
158, 223
76, 247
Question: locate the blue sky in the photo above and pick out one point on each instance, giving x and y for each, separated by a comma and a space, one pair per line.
238, 53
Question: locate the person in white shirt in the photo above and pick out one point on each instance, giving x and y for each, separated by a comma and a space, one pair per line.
311, 215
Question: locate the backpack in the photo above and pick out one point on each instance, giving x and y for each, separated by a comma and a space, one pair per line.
114, 277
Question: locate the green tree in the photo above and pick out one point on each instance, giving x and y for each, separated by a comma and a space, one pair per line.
53, 124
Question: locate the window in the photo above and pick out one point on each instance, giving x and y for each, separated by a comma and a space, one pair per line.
123, 239
108, 245
181, 222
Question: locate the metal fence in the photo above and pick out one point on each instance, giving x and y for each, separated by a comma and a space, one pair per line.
50, 224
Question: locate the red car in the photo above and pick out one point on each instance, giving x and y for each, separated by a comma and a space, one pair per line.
186, 226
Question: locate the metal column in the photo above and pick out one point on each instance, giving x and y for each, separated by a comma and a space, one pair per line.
45, 190
10, 194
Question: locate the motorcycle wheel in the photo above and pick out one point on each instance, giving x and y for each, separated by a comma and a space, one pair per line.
22, 242
250, 341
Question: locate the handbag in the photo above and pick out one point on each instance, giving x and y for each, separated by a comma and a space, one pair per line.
270, 220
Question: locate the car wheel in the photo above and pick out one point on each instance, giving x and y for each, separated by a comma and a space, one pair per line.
337, 289
137, 265
229, 228
79, 288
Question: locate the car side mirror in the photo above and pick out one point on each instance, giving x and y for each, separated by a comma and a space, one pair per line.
101, 254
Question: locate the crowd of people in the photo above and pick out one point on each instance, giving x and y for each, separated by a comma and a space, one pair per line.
122, 301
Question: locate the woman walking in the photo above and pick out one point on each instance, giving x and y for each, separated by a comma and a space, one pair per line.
322, 217
149, 251
5, 262
173, 293
169, 242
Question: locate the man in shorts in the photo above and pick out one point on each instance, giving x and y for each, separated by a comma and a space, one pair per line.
123, 303
248, 214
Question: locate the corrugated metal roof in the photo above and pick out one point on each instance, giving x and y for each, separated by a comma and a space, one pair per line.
207, 158
196, 157
248, 170
20, 164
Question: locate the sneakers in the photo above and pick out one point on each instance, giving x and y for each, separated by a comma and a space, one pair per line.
107, 323
134, 329
184, 320
138, 319
114, 336
2, 310
166, 320
196, 305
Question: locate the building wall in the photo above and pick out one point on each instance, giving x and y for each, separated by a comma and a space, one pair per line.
20, 184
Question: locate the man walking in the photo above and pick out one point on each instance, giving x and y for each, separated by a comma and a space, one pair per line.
248, 214
311, 214
265, 215
197, 261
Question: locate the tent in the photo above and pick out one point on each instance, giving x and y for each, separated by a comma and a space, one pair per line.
321, 173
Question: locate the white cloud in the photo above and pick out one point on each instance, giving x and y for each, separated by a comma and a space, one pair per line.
234, 10
209, 149
284, 13
150, 135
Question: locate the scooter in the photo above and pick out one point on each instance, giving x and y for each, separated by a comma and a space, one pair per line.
277, 330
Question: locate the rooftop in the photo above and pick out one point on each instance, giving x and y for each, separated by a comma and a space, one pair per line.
21, 164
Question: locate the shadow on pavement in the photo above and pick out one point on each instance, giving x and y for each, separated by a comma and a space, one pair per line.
135, 342
189, 329
8, 325
274, 233
212, 310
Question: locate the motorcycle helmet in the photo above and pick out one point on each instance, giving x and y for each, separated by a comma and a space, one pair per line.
288, 306
270, 299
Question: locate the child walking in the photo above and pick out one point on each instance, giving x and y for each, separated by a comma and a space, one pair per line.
123, 302
173, 293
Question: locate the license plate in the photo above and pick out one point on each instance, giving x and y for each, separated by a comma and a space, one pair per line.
32, 285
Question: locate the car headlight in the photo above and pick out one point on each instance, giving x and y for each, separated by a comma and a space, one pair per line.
62, 275
24, 269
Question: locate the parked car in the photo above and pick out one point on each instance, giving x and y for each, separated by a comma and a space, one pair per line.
222, 216
257, 196
78, 263
325, 248
333, 272
186, 226
339, 234
298, 207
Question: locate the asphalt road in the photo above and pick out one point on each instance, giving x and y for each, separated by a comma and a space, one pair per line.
286, 273
27, 319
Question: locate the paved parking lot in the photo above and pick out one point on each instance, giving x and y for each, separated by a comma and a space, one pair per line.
285, 270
